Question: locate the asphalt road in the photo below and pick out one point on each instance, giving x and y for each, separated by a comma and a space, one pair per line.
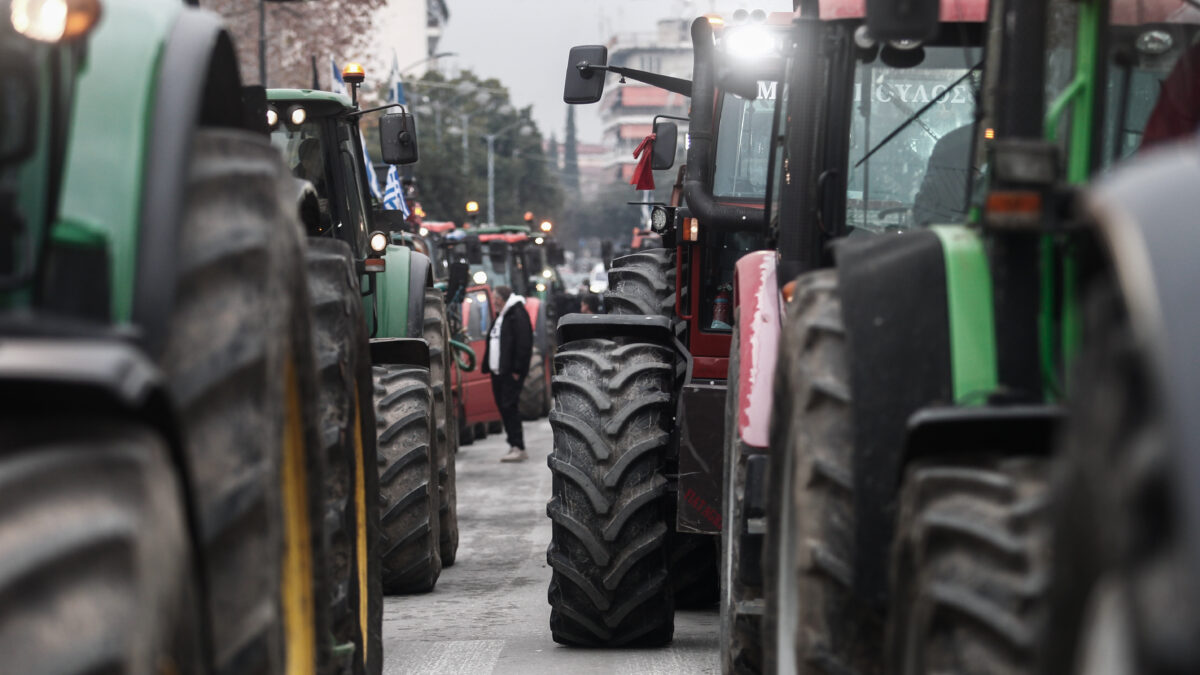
489, 613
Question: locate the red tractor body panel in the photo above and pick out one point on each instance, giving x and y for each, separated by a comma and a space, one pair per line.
756, 295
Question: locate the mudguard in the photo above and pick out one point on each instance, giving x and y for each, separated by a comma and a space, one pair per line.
139, 99
759, 325
656, 329
397, 307
1145, 214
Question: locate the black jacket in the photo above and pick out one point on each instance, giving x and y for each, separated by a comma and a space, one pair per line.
516, 342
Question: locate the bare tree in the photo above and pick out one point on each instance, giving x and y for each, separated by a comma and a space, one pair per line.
296, 32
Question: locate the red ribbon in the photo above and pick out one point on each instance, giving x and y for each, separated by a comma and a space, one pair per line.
643, 175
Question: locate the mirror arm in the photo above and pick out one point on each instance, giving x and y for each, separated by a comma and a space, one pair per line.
672, 84
358, 113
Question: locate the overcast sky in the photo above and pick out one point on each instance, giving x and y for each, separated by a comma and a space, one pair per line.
524, 43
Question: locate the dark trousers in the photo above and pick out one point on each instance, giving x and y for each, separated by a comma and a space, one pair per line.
507, 392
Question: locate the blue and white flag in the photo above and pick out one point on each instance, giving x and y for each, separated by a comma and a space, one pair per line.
393, 192
337, 85
372, 179
396, 91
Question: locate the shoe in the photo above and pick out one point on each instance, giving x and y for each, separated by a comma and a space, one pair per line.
515, 455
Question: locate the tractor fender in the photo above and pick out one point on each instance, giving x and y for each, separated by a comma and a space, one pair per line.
399, 352
760, 312
420, 277
1145, 214
947, 430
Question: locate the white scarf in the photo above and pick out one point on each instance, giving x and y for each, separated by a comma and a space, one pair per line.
494, 336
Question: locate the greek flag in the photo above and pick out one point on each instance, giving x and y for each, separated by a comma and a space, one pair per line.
372, 179
337, 84
396, 91
393, 192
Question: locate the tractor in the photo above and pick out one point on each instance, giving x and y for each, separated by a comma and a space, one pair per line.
163, 470
921, 382
639, 392
401, 318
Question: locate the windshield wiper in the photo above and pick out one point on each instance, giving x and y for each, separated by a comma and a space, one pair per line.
915, 116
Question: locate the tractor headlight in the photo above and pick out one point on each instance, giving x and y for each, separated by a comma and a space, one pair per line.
424, 231
272, 117
54, 20
480, 277
546, 273
379, 242
541, 288
658, 219
539, 241
297, 115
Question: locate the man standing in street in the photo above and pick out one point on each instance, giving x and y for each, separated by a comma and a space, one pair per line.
506, 358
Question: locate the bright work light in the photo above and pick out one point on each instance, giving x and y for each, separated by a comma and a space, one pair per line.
749, 42
480, 278
297, 115
272, 117
547, 226
379, 242
54, 20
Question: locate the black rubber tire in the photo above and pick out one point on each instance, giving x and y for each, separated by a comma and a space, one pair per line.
347, 423
741, 602
96, 566
612, 422
412, 559
969, 566
812, 621
466, 432
239, 364
534, 401
1122, 576
480, 430
642, 283
445, 422
496, 427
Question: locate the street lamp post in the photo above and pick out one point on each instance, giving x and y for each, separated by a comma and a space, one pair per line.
491, 164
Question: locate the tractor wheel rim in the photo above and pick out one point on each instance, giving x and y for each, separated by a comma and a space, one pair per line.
299, 612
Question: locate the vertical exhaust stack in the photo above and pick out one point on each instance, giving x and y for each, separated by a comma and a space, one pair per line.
699, 157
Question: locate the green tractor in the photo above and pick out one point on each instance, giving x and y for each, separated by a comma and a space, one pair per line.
908, 513
404, 315
163, 475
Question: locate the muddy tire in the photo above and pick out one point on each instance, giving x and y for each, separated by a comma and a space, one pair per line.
969, 566
812, 621
238, 360
408, 491
612, 420
445, 422
1122, 585
741, 599
534, 402
481, 430
347, 423
96, 561
642, 283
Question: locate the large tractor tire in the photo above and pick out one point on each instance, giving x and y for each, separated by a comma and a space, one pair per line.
741, 580
95, 555
812, 621
969, 566
609, 545
347, 422
239, 363
412, 558
1121, 586
642, 283
445, 423
534, 402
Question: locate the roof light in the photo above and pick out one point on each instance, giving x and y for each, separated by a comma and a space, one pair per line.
480, 277
272, 117
353, 73
714, 20
547, 226
54, 20
989, 134
472, 207
424, 231
749, 42
297, 115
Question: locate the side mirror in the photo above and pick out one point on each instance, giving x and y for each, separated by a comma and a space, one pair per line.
398, 138
585, 85
665, 140
889, 20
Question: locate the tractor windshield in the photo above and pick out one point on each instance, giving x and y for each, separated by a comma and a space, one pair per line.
910, 138
744, 145
334, 167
